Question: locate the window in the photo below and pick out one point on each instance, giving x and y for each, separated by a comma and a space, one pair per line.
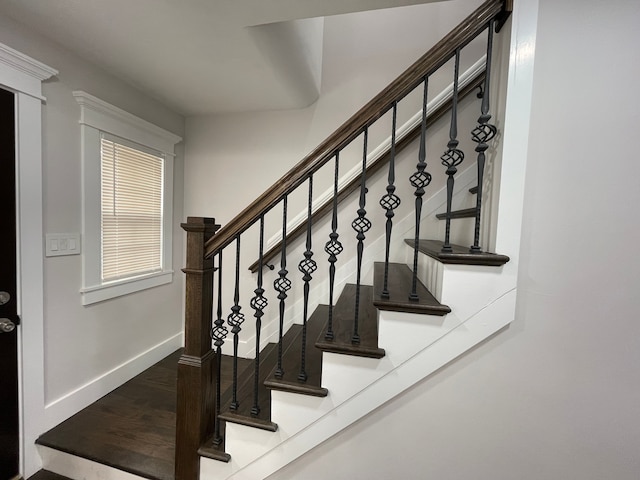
131, 210
127, 201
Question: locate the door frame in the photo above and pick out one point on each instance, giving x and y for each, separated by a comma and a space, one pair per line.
24, 76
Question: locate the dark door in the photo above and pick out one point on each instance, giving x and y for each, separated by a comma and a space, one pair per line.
9, 441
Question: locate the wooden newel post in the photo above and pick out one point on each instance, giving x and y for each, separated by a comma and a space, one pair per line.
196, 382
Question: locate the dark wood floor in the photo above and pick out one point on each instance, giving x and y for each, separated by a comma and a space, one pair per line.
131, 428
45, 475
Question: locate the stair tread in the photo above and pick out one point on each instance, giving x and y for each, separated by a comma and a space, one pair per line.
292, 361
245, 392
462, 213
473, 190
214, 452
399, 285
217, 451
343, 316
459, 255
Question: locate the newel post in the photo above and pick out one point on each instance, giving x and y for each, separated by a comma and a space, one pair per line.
196, 382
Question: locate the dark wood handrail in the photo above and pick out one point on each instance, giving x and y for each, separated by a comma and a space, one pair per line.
429, 63
373, 167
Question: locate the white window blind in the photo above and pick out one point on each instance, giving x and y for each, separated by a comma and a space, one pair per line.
131, 209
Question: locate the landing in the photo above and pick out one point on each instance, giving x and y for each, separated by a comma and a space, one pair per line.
132, 428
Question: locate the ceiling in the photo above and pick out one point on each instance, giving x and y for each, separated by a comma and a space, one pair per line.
199, 56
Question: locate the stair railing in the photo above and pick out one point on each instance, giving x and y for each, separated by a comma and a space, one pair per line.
199, 431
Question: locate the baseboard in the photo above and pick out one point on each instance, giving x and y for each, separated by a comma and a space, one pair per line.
63, 407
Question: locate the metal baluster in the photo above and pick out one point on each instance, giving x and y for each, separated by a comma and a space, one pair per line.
306, 267
218, 334
361, 225
453, 156
333, 247
235, 320
390, 202
419, 180
282, 284
482, 134
258, 303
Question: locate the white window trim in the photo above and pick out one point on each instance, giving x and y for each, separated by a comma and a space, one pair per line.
97, 116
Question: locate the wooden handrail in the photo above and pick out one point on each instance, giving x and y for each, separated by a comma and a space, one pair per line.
431, 61
373, 167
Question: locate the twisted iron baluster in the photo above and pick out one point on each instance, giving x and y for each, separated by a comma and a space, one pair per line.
333, 247
218, 334
282, 284
482, 134
361, 225
453, 156
235, 320
306, 267
258, 303
390, 202
419, 180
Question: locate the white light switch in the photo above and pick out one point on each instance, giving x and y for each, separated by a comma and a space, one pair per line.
62, 244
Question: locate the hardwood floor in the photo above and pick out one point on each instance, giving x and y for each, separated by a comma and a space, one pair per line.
132, 428
45, 475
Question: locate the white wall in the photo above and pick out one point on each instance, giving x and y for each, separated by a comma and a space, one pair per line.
233, 158
556, 395
90, 350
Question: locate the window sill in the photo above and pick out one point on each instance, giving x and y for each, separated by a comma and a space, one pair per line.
119, 288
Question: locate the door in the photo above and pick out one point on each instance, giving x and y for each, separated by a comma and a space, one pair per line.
9, 425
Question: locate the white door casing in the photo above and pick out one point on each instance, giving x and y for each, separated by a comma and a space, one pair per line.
24, 76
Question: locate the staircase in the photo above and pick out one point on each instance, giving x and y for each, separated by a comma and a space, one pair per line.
332, 336
347, 304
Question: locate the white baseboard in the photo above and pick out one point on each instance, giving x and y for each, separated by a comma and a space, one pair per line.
67, 405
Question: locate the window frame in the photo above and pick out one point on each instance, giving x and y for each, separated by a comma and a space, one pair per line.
98, 117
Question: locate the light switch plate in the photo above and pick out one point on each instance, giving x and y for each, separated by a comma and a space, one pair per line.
62, 244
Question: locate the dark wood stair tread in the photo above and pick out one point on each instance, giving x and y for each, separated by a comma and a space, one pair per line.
292, 360
459, 255
214, 452
343, 316
245, 394
462, 213
399, 284
209, 449
473, 190
249, 420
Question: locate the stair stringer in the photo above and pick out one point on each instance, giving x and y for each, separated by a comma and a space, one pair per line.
416, 347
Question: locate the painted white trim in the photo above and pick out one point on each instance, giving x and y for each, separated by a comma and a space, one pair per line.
439, 100
109, 118
24, 76
63, 407
22, 73
98, 293
516, 129
97, 116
